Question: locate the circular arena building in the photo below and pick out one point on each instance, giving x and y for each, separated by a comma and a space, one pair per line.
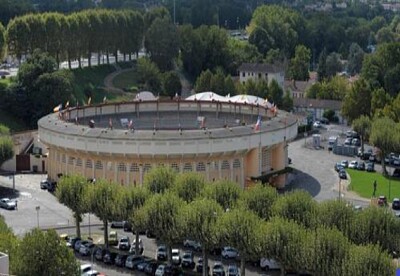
237, 138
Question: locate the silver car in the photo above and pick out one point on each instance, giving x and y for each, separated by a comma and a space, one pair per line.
8, 204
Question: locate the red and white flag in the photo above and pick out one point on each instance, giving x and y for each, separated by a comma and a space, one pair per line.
257, 126
130, 124
110, 124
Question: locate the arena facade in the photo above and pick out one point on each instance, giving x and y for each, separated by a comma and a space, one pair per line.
236, 138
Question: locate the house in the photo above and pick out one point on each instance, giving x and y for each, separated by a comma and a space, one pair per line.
298, 89
262, 71
317, 107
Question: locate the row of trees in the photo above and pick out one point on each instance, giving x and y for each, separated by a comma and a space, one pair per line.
303, 235
6, 144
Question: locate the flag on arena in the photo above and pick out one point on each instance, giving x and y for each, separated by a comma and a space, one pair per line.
67, 105
105, 99
110, 124
130, 124
89, 101
203, 123
57, 108
257, 127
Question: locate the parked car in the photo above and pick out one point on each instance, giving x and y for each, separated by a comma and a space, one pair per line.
113, 238
353, 164
133, 262
396, 173
317, 124
44, 184
199, 266
172, 270
176, 256
127, 226
218, 269
344, 163
342, 174
232, 270
229, 253
356, 142
338, 166
160, 270
161, 253
117, 224
382, 201
77, 245
124, 243
8, 204
267, 264
361, 166
370, 167
99, 253
133, 247
192, 244
141, 266
85, 268
86, 248
71, 241
151, 268
347, 142
187, 260
121, 259
109, 257
396, 204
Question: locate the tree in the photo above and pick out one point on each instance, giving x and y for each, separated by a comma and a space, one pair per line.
8, 243
203, 82
333, 64
300, 63
362, 125
159, 179
238, 228
357, 101
199, 220
367, 259
335, 214
161, 215
379, 100
260, 200
385, 137
162, 42
101, 199
6, 145
226, 193
275, 93
298, 206
53, 259
171, 84
355, 59
188, 186
149, 76
192, 50
218, 82
72, 191
322, 70
2, 41
287, 101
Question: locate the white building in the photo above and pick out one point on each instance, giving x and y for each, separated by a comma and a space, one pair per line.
262, 71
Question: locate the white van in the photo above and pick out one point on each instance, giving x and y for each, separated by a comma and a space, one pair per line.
332, 142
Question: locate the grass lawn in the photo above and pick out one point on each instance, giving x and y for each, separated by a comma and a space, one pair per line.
89, 81
126, 80
362, 184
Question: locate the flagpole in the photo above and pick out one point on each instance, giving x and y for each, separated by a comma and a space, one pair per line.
259, 149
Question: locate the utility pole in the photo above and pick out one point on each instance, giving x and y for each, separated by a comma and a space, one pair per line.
174, 14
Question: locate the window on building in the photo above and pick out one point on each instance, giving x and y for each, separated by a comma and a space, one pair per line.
201, 167
187, 167
63, 158
147, 167
99, 165
121, 167
134, 167
175, 167
259, 75
79, 162
71, 160
225, 165
89, 164
236, 164
243, 74
216, 165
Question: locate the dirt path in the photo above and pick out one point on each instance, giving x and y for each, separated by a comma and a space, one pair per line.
108, 81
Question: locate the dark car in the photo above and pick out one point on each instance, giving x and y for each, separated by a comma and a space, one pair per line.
120, 260
71, 241
142, 265
342, 174
151, 268
99, 253
127, 226
370, 167
396, 173
361, 166
172, 270
199, 266
52, 187
109, 257
187, 260
338, 166
382, 201
396, 204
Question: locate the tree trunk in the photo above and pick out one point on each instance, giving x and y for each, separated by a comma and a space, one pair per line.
242, 266
384, 171
116, 56
130, 56
77, 224
108, 57
69, 64
137, 242
98, 58
205, 261
105, 225
79, 62
89, 59
124, 57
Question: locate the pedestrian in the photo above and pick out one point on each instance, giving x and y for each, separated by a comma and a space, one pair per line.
16, 205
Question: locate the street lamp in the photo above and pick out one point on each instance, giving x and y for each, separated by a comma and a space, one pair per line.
37, 212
